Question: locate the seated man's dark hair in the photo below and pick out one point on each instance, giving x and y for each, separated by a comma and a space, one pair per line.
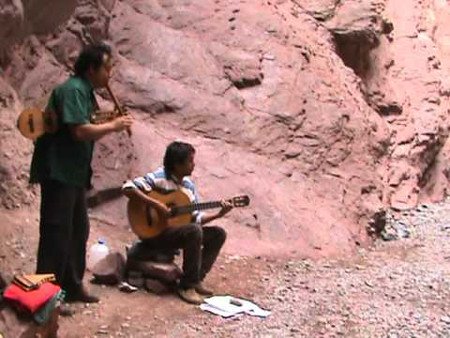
91, 56
176, 153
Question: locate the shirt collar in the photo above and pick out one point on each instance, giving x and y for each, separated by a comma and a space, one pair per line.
175, 179
87, 84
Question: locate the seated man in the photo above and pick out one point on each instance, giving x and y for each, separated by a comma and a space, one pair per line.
201, 245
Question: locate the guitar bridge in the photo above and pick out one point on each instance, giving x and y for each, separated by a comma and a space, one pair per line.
31, 123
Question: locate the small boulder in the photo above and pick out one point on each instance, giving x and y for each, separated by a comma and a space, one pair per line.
157, 287
166, 272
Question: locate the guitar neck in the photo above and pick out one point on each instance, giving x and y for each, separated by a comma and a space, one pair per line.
187, 209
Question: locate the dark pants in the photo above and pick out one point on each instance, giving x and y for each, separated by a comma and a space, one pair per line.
64, 230
201, 246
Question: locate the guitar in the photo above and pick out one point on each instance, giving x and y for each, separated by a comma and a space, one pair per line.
146, 222
34, 122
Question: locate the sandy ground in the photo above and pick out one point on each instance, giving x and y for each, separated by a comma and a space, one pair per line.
398, 288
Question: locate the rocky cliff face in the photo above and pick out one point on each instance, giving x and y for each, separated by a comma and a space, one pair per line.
325, 113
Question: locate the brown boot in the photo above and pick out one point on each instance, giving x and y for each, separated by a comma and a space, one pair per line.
190, 296
202, 290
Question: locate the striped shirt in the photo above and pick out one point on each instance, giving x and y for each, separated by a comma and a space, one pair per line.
158, 180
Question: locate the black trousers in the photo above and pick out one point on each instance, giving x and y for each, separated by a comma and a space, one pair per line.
200, 245
64, 230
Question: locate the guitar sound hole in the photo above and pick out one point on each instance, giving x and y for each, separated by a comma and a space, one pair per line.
149, 215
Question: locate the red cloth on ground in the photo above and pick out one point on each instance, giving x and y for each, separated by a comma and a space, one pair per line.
34, 299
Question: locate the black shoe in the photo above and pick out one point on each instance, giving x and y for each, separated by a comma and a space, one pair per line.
82, 296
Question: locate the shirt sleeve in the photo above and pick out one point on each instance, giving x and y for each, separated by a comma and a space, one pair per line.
197, 215
51, 106
74, 107
145, 183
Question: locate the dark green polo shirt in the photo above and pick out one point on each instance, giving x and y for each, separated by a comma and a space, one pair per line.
59, 156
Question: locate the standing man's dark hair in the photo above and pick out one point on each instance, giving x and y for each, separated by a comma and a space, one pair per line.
92, 56
176, 153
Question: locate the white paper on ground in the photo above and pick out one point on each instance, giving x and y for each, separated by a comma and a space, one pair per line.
221, 305
216, 311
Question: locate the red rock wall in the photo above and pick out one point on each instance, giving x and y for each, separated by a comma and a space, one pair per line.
320, 111
409, 74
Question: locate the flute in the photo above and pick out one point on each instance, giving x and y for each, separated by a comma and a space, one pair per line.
116, 104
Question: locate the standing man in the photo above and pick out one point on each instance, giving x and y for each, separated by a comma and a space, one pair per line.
61, 164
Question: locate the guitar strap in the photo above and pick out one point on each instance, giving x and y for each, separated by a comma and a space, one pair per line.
94, 101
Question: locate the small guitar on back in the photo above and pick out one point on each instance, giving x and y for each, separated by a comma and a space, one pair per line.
35, 122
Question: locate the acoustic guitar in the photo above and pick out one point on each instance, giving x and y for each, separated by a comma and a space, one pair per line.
146, 222
34, 122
